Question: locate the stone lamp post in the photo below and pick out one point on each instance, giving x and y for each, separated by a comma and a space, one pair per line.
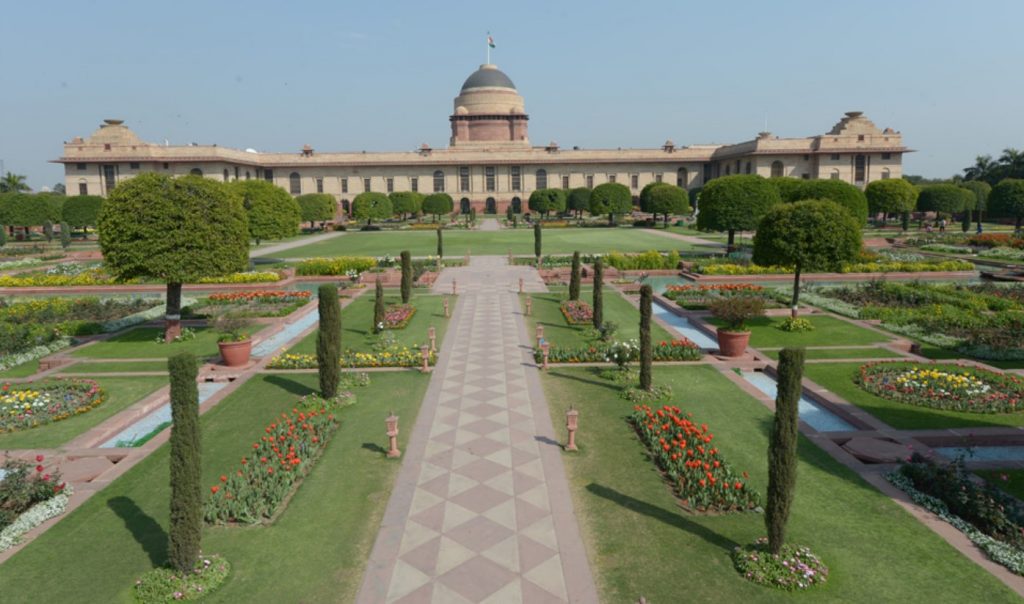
392, 425
529, 306
540, 334
446, 313
545, 349
432, 334
572, 422
520, 285
425, 354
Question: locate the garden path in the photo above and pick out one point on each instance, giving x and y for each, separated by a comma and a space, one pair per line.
287, 245
489, 224
687, 238
481, 511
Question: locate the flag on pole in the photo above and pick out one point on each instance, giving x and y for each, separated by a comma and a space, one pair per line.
490, 41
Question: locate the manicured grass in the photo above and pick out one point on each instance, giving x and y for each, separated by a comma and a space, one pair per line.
458, 242
547, 312
1013, 484
828, 331
115, 366
316, 550
639, 540
934, 352
357, 322
842, 353
142, 343
23, 370
122, 392
838, 377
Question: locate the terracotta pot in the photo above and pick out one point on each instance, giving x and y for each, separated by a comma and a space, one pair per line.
732, 343
235, 354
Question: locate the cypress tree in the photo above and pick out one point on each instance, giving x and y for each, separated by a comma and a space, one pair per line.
48, 231
186, 493
3, 235
328, 340
508, 213
598, 300
782, 447
574, 278
965, 221
406, 276
905, 221
645, 337
378, 307
65, 235
440, 243
536, 241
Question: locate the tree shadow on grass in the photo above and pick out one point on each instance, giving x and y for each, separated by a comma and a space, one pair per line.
146, 531
673, 519
374, 447
593, 381
290, 385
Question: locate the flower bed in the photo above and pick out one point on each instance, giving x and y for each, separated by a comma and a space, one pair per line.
247, 277
681, 349
677, 292
397, 316
27, 406
577, 312
340, 265
28, 498
853, 267
793, 568
682, 449
948, 387
991, 240
285, 453
168, 585
270, 296
651, 260
392, 356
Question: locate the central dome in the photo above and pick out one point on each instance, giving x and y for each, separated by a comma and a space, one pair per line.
488, 76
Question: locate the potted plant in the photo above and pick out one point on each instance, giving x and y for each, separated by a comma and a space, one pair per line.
735, 311
234, 340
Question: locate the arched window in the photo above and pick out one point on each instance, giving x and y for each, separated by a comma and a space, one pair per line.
295, 183
438, 181
491, 207
682, 178
225, 174
517, 205
195, 172
858, 168
776, 169
885, 174
542, 179
464, 205
345, 206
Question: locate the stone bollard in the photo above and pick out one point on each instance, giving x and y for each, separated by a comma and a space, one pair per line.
510, 261
572, 419
520, 285
545, 349
425, 354
392, 425
529, 306
455, 288
540, 334
432, 334
446, 313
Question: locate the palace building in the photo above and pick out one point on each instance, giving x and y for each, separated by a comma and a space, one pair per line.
489, 163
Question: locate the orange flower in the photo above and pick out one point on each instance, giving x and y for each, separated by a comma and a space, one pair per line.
214, 489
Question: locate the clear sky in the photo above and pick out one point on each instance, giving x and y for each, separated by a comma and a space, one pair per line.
381, 75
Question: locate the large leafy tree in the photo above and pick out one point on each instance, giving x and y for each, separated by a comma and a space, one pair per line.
546, 201
82, 211
437, 204
944, 199
176, 230
23, 210
13, 183
578, 200
787, 186
891, 196
843, 193
665, 199
273, 213
54, 203
1007, 199
735, 203
807, 235
316, 207
611, 198
981, 191
406, 203
370, 205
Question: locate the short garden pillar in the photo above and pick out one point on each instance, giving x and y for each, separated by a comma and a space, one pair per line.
446, 313
392, 424
540, 334
425, 354
545, 350
432, 334
572, 419
529, 306
455, 288
520, 285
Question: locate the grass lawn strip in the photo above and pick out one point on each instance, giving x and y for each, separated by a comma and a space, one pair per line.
838, 377
814, 354
635, 531
547, 312
24, 370
828, 331
88, 368
315, 552
121, 393
142, 343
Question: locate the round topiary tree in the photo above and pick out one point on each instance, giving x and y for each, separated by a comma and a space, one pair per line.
578, 200
23, 210
273, 213
369, 206
546, 201
843, 193
316, 207
735, 203
944, 199
82, 211
611, 198
807, 235
186, 527
1007, 200
328, 340
666, 199
176, 230
981, 190
437, 204
891, 196
787, 186
406, 203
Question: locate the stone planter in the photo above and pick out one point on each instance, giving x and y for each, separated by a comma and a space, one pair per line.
235, 354
732, 343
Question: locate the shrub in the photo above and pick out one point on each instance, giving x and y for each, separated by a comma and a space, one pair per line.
316, 207
843, 193
735, 203
891, 196
82, 211
272, 212
437, 204
167, 585
328, 340
339, 265
577, 200
796, 324
945, 199
577, 312
782, 459
405, 203
736, 311
23, 487
186, 497
369, 206
1007, 200
65, 236
792, 568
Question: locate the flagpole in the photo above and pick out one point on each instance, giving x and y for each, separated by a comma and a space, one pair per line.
487, 41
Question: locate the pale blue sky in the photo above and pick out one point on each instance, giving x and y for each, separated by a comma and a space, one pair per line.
382, 75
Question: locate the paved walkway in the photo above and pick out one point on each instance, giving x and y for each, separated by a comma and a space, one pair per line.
489, 224
280, 247
687, 238
481, 511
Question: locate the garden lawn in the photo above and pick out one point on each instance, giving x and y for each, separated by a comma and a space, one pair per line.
24, 370
828, 331
121, 391
842, 353
641, 543
1013, 484
458, 243
115, 367
838, 377
547, 312
142, 343
934, 352
316, 550
357, 322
